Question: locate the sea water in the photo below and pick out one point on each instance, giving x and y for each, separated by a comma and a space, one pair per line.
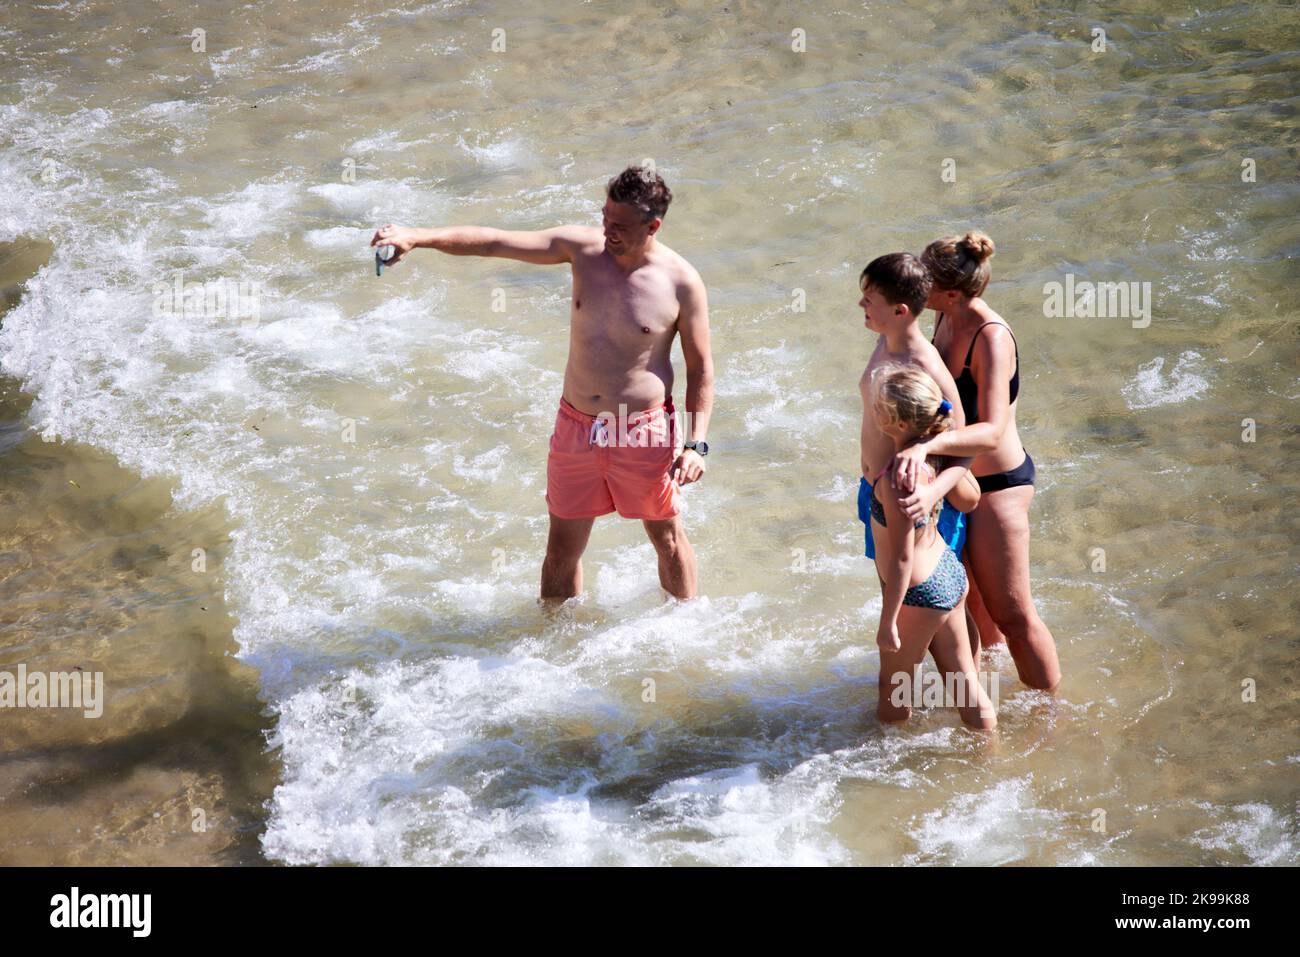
301, 538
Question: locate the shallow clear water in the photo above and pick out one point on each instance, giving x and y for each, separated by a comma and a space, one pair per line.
379, 593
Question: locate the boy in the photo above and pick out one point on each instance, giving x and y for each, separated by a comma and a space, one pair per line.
895, 288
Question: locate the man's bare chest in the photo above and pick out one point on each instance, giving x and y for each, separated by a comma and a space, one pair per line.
637, 310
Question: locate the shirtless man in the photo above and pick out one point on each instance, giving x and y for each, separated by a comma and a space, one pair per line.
615, 444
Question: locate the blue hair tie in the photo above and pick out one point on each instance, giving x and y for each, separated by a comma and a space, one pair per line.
945, 406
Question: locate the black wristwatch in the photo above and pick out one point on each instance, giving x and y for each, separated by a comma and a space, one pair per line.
700, 447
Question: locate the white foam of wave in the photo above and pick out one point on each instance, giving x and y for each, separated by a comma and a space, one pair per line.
834, 563
79, 130
748, 819
1153, 387
257, 209
484, 468
352, 240
538, 752
386, 142
805, 412
425, 9
484, 597
664, 632
626, 576
174, 112
490, 356
1211, 245
571, 202
843, 488
223, 64
1255, 831
329, 60
757, 370
524, 757
321, 337
382, 200
403, 773
177, 395
495, 155
999, 825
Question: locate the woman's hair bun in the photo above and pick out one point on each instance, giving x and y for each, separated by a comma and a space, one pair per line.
977, 246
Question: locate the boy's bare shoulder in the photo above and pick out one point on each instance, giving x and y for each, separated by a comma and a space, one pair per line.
872, 363
929, 359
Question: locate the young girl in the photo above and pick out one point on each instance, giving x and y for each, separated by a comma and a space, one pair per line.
924, 582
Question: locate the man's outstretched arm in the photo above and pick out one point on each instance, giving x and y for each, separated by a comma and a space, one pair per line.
544, 247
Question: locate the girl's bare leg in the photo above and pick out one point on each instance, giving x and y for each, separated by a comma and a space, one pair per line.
916, 627
951, 650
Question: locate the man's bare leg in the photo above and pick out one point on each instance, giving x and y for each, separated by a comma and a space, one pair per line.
562, 567
676, 556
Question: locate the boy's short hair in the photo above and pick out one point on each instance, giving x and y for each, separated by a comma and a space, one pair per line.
900, 278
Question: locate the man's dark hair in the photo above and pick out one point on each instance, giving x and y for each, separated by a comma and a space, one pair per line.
900, 278
643, 188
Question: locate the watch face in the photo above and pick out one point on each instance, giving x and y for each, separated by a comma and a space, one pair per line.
702, 448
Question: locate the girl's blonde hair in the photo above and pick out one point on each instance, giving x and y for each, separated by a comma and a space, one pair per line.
960, 262
903, 395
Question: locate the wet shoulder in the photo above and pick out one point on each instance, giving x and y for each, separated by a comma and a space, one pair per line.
993, 339
932, 361
589, 240
684, 277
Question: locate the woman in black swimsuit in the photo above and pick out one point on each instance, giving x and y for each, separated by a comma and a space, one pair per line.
984, 358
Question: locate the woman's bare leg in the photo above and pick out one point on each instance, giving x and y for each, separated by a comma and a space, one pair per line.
985, 633
997, 550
